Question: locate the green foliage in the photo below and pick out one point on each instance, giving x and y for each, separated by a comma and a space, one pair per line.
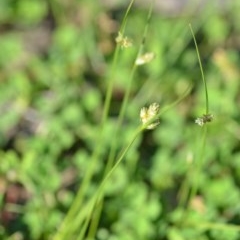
67, 171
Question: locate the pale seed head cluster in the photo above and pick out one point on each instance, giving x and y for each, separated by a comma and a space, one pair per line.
124, 42
148, 114
205, 118
145, 58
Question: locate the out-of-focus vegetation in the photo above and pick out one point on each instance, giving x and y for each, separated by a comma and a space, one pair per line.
55, 63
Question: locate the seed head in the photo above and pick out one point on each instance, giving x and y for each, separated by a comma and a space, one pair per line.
204, 119
147, 114
145, 58
124, 42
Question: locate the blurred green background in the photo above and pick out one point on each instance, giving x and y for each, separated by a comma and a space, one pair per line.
54, 59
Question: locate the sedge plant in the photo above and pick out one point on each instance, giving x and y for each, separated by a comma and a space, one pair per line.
80, 215
78, 218
194, 169
150, 120
67, 228
202, 122
140, 59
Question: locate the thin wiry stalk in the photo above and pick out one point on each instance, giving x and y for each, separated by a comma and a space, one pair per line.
201, 69
110, 86
199, 165
113, 148
98, 195
66, 226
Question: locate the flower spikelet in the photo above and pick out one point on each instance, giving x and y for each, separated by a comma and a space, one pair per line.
148, 114
145, 58
124, 42
205, 118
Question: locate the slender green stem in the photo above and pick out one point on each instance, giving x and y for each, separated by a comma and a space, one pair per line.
171, 105
187, 193
110, 86
199, 164
201, 69
128, 91
66, 227
113, 148
99, 193
200, 153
